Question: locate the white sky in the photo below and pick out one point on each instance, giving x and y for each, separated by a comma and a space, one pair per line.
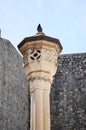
62, 19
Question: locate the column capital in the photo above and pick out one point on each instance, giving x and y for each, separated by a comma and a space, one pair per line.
40, 53
40, 59
40, 80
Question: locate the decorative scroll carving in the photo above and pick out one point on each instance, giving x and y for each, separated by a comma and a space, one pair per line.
31, 79
49, 55
40, 76
38, 54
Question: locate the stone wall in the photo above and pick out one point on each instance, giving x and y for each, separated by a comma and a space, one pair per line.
13, 89
68, 94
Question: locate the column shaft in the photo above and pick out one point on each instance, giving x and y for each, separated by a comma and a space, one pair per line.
32, 116
46, 110
39, 109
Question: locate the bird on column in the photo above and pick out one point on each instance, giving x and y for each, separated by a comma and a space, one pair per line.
39, 28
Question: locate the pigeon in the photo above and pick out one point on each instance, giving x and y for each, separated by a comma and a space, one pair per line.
39, 28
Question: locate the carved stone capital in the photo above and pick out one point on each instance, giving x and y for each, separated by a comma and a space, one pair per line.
40, 80
40, 59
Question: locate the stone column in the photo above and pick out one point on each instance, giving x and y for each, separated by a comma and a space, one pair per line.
40, 54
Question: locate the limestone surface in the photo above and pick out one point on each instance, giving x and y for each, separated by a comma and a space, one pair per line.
14, 113
68, 93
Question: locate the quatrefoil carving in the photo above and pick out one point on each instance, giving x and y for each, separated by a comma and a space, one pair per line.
35, 54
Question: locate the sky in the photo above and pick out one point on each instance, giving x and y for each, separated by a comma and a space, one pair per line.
61, 19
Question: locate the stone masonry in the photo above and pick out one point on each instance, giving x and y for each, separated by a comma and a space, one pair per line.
13, 89
68, 94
